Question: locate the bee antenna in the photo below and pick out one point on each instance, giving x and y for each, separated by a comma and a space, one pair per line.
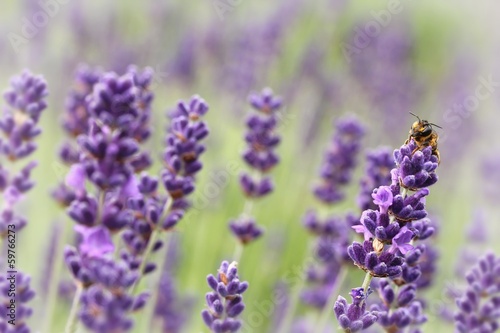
436, 125
416, 116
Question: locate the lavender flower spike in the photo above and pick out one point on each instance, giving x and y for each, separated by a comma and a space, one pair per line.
398, 310
479, 306
225, 302
260, 155
415, 169
26, 101
21, 312
18, 127
339, 160
388, 250
261, 138
106, 303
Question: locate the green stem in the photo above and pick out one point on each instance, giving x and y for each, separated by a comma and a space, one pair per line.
149, 248
294, 300
327, 309
148, 312
286, 322
100, 207
72, 319
366, 281
247, 210
238, 251
55, 272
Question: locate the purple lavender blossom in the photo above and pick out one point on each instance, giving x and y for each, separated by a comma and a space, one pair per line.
250, 54
374, 262
389, 234
478, 307
75, 121
379, 163
339, 160
20, 313
225, 302
117, 111
194, 110
489, 170
96, 241
354, 317
416, 169
153, 211
171, 308
428, 264
26, 101
100, 191
256, 189
183, 150
110, 115
245, 230
106, 304
391, 224
330, 249
262, 140
398, 310
332, 233
183, 64
185, 134
476, 236
18, 128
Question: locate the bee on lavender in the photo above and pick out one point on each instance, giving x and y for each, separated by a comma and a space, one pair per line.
424, 135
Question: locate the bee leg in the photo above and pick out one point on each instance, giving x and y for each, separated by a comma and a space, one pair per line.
436, 152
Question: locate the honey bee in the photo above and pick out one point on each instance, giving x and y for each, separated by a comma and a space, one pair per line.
424, 136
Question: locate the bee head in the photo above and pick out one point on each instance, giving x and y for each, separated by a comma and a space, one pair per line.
421, 128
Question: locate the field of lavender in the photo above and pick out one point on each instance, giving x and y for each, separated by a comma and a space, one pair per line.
240, 166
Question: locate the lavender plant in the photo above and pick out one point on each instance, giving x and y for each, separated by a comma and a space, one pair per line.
225, 302
26, 100
126, 203
388, 249
261, 157
332, 231
476, 237
479, 305
108, 157
326, 274
339, 161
